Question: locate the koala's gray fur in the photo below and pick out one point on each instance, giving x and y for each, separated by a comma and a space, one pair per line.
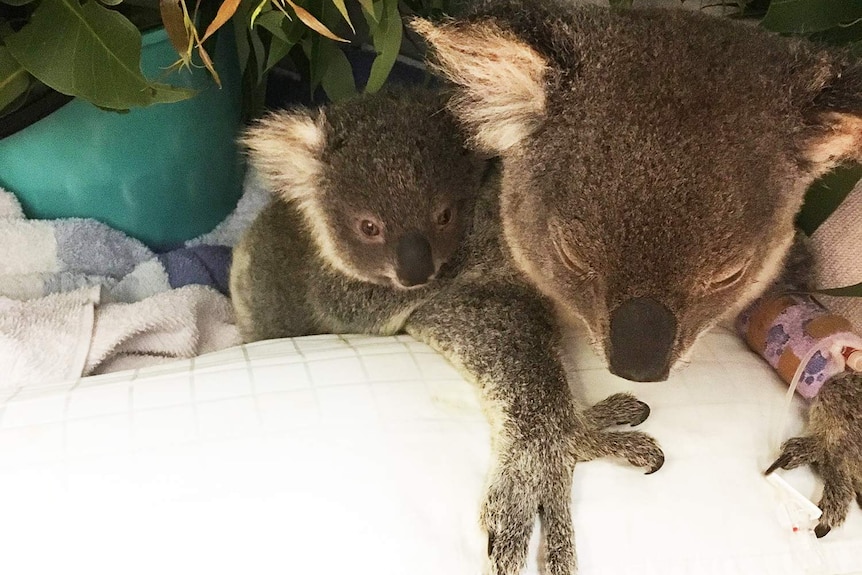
653, 164
477, 311
664, 152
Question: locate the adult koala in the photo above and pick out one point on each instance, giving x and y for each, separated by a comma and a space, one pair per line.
653, 163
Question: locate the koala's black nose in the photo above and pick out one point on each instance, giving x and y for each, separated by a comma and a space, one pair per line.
415, 262
642, 334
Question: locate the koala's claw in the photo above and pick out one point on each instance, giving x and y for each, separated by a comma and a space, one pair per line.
781, 463
795, 452
617, 409
821, 530
637, 448
657, 466
645, 411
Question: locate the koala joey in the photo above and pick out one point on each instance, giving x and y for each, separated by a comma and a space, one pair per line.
344, 219
430, 264
653, 163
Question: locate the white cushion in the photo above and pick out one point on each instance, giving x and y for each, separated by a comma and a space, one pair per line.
332, 455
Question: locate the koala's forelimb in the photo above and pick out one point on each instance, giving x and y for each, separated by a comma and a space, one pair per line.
502, 336
833, 448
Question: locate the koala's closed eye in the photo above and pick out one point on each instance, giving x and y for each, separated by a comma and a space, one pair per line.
568, 256
728, 276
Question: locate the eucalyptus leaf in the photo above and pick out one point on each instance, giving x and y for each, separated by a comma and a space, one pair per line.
243, 48
259, 53
809, 16
846, 34
14, 79
111, 2
278, 49
826, 194
369, 10
309, 20
272, 22
174, 21
17, 2
64, 42
337, 78
225, 12
848, 291
386, 37
311, 48
343, 10
262, 6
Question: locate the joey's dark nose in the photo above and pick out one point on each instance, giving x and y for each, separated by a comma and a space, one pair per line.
642, 334
415, 262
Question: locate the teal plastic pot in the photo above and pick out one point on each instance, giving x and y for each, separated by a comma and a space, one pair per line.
162, 174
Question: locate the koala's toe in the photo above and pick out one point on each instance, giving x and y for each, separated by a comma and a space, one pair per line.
642, 416
509, 526
795, 452
555, 515
617, 409
637, 448
837, 496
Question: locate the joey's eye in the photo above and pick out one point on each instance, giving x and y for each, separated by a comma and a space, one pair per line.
444, 217
369, 228
728, 277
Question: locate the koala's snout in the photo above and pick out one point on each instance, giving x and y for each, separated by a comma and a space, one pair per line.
415, 262
643, 331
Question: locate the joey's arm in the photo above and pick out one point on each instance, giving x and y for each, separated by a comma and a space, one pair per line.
502, 337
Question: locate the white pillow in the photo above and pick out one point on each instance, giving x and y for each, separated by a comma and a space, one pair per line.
330, 455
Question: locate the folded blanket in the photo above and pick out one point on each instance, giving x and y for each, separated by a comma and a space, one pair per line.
79, 298
46, 339
64, 336
41, 257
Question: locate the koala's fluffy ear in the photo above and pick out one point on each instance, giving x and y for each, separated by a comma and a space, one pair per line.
502, 79
836, 118
286, 148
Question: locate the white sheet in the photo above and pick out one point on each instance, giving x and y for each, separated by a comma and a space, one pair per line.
330, 455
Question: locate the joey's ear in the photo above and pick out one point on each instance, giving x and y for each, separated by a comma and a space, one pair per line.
836, 118
501, 79
286, 148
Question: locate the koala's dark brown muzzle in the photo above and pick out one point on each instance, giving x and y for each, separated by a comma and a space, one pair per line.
642, 334
415, 263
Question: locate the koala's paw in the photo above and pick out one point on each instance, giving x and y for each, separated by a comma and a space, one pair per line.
833, 448
617, 409
529, 484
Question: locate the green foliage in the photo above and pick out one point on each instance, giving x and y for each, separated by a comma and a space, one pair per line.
91, 48
65, 41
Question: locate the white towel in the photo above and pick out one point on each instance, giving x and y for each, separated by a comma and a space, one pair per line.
46, 339
175, 324
65, 336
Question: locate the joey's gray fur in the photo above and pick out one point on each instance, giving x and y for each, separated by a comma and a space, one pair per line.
653, 164
477, 311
